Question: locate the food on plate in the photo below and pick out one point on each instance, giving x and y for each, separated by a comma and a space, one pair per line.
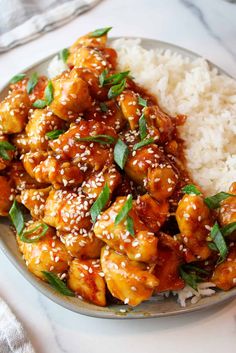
101, 163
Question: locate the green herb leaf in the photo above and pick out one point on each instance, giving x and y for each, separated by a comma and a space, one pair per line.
100, 32
54, 134
124, 210
121, 153
63, 55
113, 79
48, 93
103, 107
32, 82
229, 229
100, 203
4, 147
40, 104
57, 284
102, 139
188, 278
142, 127
23, 236
191, 189
215, 200
17, 78
115, 90
219, 241
143, 143
130, 225
17, 217
142, 102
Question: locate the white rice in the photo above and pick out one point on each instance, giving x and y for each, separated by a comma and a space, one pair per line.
56, 67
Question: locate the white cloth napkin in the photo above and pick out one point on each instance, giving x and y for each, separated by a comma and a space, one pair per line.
13, 338
24, 20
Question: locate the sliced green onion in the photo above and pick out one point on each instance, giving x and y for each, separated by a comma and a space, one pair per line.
190, 279
103, 107
121, 153
142, 127
191, 189
212, 246
54, 134
124, 210
102, 139
32, 82
40, 104
48, 93
219, 241
113, 79
130, 225
100, 203
142, 102
115, 90
143, 143
229, 229
17, 218
23, 236
17, 78
63, 55
196, 269
4, 147
102, 77
215, 200
57, 283
100, 32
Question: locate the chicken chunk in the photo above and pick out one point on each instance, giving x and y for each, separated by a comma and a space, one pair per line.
34, 200
47, 254
130, 107
195, 221
85, 278
227, 212
21, 179
6, 196
141, 247
127, 280
38, 90
14, 112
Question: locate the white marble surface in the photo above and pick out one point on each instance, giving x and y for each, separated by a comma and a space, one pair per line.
204, 26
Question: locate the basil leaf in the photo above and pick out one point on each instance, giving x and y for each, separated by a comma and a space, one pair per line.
32, 82
124, 210
142, 102
103, 107
121, 153
102, 77
115, 90
23, 236
191, 189
227, 230
219, 241
4, 147
113, 79
63, 55
143, 143
40, 104
142, 127
54, 134
17, 78
130, 225
190, 279
57, 283
17, 217
215, 200
48, 93
102, 139
100, 32
100, 203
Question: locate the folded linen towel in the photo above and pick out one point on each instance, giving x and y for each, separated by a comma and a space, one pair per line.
24, 20
13, 338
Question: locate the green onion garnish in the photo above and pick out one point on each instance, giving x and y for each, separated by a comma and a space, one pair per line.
102, 139
48, 97
103, 107
100, 32
54, 134
190, 278
23, 236
4, 147
219, 241
115, 90
191, 189
215, 200
16, 216
124, 210
229, 229
142, 101
142, 127
130, 225
40, 104
113, 79
121, 153
63, 55
32, 82
17, 78
100, 203
57, 284
143, 143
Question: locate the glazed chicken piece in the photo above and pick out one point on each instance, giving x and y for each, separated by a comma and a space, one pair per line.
227, 212
127, 280
38, 90
14, 112
130, 107
6, 196
141, 247
168, 262
86, 154
10, 154
21, 179
224, 275
34, 200
195, 221
70, 96
85, 278
89, 41
148, 167
46, 254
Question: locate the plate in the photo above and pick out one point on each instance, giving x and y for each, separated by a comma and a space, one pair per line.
154, 307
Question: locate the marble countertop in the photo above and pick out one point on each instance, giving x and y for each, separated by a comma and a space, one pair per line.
207, 27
